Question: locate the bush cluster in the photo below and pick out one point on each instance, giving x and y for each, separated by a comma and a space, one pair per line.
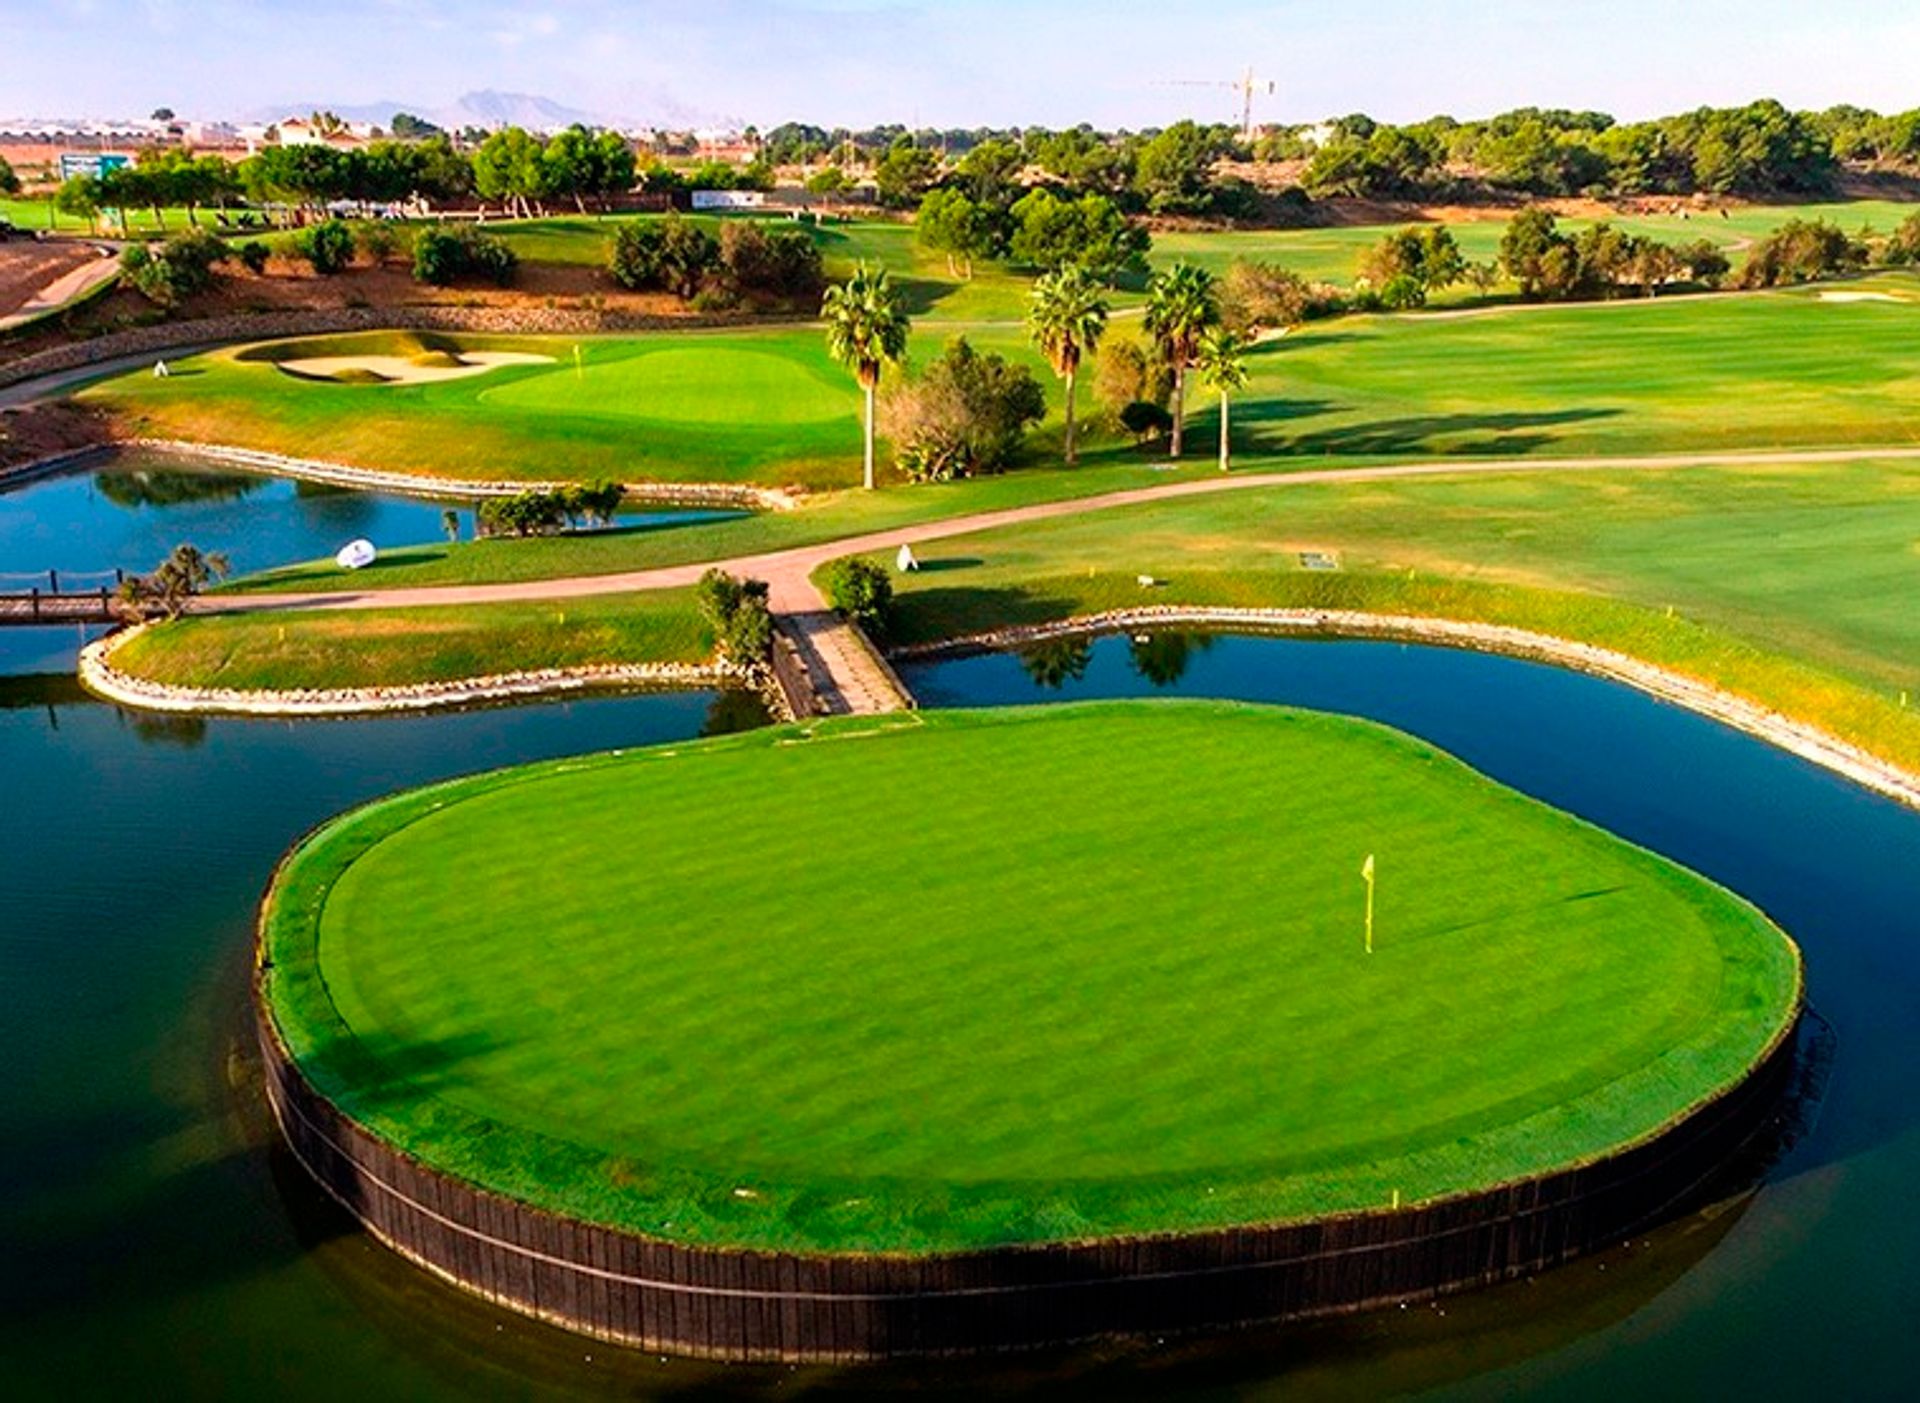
543, 513
859, 590
182, 267
967, 414
441, 257
327, 246
736, 611
746, 262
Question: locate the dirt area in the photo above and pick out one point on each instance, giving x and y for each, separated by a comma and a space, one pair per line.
27, 266
42, 430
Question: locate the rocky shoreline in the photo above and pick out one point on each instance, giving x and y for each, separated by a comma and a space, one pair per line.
1796, 737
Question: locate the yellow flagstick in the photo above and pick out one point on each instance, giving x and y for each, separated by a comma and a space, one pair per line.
1366, 871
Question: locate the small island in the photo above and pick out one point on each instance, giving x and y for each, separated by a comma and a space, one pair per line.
817, 1043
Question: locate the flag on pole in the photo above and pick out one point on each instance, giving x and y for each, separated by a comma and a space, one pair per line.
1366, 874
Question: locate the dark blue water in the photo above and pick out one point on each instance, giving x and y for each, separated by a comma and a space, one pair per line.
153, 1242
1815, 1290
130, 511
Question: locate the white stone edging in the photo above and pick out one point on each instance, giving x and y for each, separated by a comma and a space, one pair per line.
1796, 737
99, 676
712, 494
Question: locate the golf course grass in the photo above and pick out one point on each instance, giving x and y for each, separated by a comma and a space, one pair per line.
767, 405
319, 650
964, 979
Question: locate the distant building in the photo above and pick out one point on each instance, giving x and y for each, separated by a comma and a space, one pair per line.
304, 131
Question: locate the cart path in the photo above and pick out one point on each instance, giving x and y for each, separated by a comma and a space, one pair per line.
787, 571
74, 283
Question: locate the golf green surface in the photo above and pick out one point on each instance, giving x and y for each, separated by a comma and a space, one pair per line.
975, 978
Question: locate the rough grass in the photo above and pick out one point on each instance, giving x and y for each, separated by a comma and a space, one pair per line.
1791, 586
318, 649
1104, 975
767, 405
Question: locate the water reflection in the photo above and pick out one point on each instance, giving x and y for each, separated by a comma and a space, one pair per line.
1162, 658
1055, 662
134, 488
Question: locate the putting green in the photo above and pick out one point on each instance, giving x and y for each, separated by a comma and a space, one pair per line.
711, 382
1031, 975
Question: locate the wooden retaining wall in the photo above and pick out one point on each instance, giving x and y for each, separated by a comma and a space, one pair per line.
738, 1305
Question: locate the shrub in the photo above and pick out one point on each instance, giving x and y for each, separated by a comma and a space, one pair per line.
183, 266
597, 501
860, 590
328, 246
1124, 374
783, 264
1801, 250
523, 514
1146, 420
254, 255
377, 240
670, 254
1256, 296
440, 257
968, 414
736, 611
1403, 292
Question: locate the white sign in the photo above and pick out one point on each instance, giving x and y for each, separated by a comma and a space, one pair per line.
729, 199
355, 555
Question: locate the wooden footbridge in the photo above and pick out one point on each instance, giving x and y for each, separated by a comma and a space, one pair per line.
54, 598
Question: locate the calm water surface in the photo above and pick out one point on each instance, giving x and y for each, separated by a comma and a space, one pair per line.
130, 510
154, 1243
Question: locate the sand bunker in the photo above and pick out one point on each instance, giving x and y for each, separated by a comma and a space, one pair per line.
408, 370
1860, 297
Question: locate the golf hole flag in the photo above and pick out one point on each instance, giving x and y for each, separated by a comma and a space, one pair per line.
1366, 875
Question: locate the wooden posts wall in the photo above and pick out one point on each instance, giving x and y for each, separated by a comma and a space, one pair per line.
740, 1305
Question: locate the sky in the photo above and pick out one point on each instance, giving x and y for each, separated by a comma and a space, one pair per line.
965, 63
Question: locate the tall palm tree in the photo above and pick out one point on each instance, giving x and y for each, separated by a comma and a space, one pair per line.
866, 332
1180, 306
1066, 319
1222, 358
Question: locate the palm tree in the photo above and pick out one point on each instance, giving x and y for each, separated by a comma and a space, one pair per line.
1066, 320
1222, 358
1180, 306
866, 332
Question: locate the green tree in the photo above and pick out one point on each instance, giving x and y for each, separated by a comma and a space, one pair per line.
1066, 317
1180, 307
185, 572
1174, 172
736, 610
1528, 249
328, 245
79, 196
1222, 359
9, 182
904, 173
967, 414
866, 331
953, 223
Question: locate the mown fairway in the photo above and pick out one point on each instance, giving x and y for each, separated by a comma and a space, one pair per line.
1104, 975
1769, 370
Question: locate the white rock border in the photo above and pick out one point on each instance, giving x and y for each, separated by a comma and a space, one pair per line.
99, 676
1796, 737
680, 494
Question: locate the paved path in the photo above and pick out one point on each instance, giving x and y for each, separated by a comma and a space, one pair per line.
786, 571
75, 282
847, 676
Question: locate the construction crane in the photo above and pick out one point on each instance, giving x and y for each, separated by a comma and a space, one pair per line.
1246, 85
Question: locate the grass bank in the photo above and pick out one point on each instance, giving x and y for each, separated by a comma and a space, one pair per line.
985, 1031
323, 650
1790, 586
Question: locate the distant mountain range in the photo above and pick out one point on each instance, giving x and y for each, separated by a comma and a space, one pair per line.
491, 108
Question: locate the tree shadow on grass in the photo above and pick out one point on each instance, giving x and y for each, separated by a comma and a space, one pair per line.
951, 611
1449, 435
